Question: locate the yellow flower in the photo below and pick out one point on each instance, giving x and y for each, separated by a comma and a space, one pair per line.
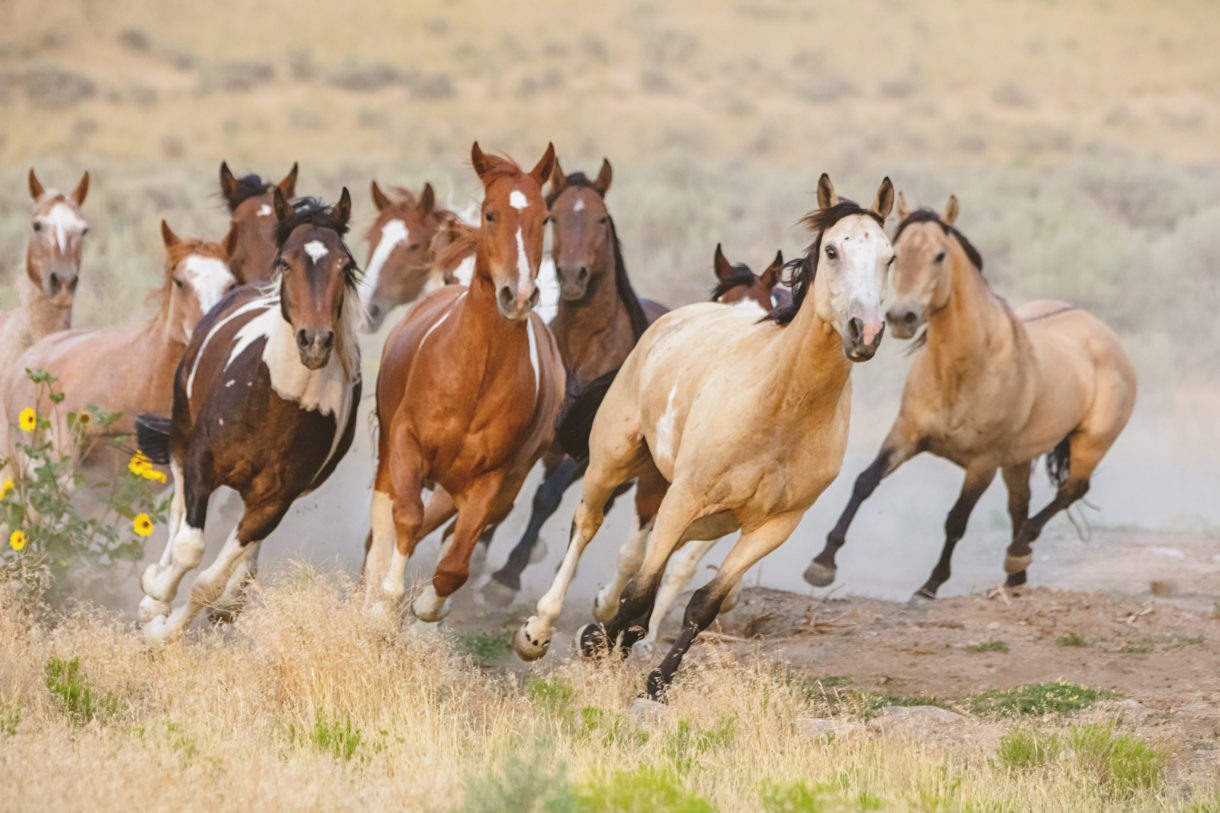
142, 525
154, 475
16, 540
6, 487
139, 465
28, 419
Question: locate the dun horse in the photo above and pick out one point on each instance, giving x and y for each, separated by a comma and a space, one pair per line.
264, 403
598, 320
991, 388
470, 385
139, 360
695, 417
52, 263
251, 203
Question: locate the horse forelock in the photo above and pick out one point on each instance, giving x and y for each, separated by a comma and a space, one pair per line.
578, 180
929, 216
499, 166
742, 276
248, 186
308, 212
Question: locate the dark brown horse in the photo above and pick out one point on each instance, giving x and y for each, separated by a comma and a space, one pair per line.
251, 204
598, 321
470, 385
739, 286
264, 403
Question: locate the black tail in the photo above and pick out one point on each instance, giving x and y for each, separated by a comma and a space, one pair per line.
152, 435
1058, 462
576, 421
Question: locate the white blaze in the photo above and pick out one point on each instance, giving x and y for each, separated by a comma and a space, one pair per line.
264, 210
525, 281
580, 205
65, 223
517, 200
209, 277
315, 250
393, 233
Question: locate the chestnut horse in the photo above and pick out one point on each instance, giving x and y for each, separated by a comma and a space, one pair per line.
139, 360
738, 285
52, 263
991, 388
730, 476
470, 385
264, 403
598, 320
250, 200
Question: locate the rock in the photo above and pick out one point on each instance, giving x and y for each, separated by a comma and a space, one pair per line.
829, 727
929, 713
647, 710
922, 723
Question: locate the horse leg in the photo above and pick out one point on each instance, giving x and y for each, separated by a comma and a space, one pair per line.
232, 601
184, 549
977, 480
1016, 480
678, 574
506, 582
898, 448
650, 490
705, 604
406, 517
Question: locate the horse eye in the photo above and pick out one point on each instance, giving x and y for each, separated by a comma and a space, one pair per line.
892, 258
491, 217
831, 254
84, 231
177, 282
940, 258
603, 220
413, 247
37, 226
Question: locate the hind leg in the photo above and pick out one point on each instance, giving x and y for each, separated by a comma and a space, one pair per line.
977, 480
650, 491
678, 574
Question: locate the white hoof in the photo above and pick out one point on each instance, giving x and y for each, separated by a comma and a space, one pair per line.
159, 630
151, 608
603, 608
538, 553
427, 629
642, 652
428, 606
532, 640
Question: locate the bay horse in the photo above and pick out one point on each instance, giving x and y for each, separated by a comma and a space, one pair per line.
737, 284
139, 360
598, 320
730, 475
471, 382
264, 403
47, 289
400, 266
990, 388
251, 205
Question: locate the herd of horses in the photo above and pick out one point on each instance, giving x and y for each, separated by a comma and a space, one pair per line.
727, 416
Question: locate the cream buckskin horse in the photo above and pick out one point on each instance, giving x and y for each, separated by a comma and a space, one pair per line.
695, 416
991, 388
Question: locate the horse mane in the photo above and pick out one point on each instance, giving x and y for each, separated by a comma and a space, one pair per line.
742, 277
929, 216
803, 270
248, 186
622, 284
499, 166
462, 246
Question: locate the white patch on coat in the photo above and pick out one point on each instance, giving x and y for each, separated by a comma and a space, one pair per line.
65, 223
264, 210
393, 233
517, 200
316, 250
441, 321
579, 206
665, 429
749, 306
210, 278
465, 271
529, 332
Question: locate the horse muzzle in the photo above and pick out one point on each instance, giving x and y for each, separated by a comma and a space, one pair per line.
903, 322
861, 339
515, 305
573, 282
60, 287
315, 347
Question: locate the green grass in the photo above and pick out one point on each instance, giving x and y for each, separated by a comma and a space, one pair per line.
643, 790
484, 647
337, 737
987, 646
1071, 639
555, 694
1037, 699
1121, 764
80, 702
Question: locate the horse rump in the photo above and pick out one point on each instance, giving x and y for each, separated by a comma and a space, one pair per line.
152, 436
575, 420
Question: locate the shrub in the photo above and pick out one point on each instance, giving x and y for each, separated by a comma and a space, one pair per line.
1037, 699
642, 790
76, 698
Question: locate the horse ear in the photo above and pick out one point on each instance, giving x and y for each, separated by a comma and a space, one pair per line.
950, 211
379, 198
558, 178
770, 277
542, 170
228, 183
903, 209
36, 189
167, 235
289, 185
884, 202
478, 160
82, 190
722, 267
280, 205
343, 209
229, 244
604, 176
826, 192
427, 200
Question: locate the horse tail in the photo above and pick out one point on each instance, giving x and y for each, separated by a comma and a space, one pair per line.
1058, 462
576, 421
152, 436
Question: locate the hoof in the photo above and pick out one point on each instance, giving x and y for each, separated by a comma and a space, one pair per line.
151, 608
1016, 580
646, 710
158, 630
529, 643
426, 629
642, 651
603, 608
538, 552
222, 615
1017, 564
656, 686
820, 575
925, 593
497, 593
430, 607
591, 640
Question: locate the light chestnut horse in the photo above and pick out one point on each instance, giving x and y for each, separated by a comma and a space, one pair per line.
469, 389
742, 446
47, 289
251, 202
991, 388
138, 360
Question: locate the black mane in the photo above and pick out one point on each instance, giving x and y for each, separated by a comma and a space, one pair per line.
742, 276
929, 216
804, 269
248, 186
308, 212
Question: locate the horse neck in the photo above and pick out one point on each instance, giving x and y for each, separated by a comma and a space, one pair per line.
960, 332
42, 317
813, 369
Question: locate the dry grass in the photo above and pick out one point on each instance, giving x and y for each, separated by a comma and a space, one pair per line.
305, 704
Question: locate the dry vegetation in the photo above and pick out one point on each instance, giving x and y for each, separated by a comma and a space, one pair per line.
1080, 138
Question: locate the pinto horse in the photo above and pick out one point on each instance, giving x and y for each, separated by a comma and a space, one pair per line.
737, 285
695, 415
598, 320
470, 385
264, 403
139, 360
52, 265
991, 388
251, 204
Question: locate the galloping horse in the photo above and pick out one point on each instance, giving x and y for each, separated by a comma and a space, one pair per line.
991, 388
598, 320
400, 267
264, 402
139, 360
738, 285
470, 385
729, 475
251, 203
52, 263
